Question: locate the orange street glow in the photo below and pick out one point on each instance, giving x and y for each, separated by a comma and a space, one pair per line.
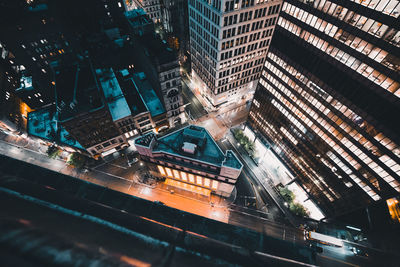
188, 187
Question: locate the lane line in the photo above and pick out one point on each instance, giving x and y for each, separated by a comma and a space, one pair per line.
347, 263
112, 175
118, 166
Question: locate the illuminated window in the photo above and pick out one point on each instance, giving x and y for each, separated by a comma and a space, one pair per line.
176, 174
394, 209
206, 182
214, 184
191, 178
199, 180
161, 170
169, 172
183, 175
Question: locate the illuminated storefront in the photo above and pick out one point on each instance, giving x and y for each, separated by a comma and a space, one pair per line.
187, 177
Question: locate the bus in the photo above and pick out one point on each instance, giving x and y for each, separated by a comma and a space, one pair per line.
324, 239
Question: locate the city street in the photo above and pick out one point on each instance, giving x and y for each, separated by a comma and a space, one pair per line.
218, 123
255, 205
269, 126
194, 109
233, 215
117, 175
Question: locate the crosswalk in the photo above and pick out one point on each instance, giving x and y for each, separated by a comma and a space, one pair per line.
233, 111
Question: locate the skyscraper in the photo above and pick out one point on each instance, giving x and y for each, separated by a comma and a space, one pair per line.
229, 41
328, 100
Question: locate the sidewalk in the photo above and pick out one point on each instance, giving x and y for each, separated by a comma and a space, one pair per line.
266, 183
25, 150
212, 200
126, 184
195, 92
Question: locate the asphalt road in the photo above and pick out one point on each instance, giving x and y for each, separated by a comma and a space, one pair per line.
105, 174
249, 182
117, 175
195, 108
74, 239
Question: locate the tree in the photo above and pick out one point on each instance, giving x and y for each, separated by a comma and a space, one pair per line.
251, 146
238, 134
244, 141
298, 209
286, 194
77, 160
53, 151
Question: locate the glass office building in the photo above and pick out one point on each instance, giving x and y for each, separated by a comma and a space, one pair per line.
328, 100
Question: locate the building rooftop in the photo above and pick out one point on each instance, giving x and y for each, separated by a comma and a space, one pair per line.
231, 160
145, 140
148, 95
132, 96
77, 90
158, 49
192, 142
137, 17
114, 97
43, 124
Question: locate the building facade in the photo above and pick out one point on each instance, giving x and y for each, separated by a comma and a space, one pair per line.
151, 7
36, 39
171, 88
139, 120
328, 100
190, 159
12, 109
83, 110
175, 22
160, 65
228, 44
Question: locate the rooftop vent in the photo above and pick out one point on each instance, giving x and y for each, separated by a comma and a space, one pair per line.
195, 135
124, 72
189, 147
142, 76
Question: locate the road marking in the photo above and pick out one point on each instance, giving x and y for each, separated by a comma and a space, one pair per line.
99, 165
118, 166
130, 185
347, 263
112, 175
